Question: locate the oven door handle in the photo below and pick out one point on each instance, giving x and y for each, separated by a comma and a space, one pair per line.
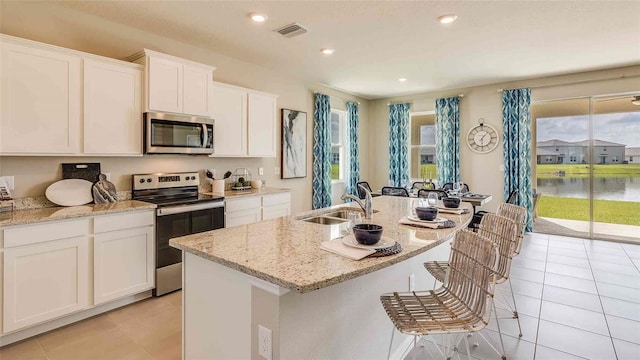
170, 210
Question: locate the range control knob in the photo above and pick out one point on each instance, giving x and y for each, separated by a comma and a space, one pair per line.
193, 178
149, 180
141, 181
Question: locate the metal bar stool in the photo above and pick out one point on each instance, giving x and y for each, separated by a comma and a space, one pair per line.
395, 191
462, 305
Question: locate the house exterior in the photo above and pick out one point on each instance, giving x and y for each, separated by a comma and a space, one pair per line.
564, 152
632, 155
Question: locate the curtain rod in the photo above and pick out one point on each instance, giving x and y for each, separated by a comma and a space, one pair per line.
337, 97
619, 77
413, 100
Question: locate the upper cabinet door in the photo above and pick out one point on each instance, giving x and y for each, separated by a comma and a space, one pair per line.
40, 101
229, 110
196, 90
112, 109
262, 125
165, 85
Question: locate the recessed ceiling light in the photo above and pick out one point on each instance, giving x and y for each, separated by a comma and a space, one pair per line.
447, 19
258, 17
402, 79
328, 51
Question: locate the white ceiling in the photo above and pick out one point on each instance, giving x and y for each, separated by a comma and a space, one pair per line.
378, 42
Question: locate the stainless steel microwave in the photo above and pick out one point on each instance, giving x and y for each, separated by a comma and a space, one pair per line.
177, 134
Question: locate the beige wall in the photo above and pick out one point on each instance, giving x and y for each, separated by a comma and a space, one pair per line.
48, 23
482, 171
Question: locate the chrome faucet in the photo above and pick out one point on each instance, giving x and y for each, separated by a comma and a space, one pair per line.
367, 205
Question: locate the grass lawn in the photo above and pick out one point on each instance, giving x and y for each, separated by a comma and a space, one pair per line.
546, 171
335, 172
606, 211
426, 169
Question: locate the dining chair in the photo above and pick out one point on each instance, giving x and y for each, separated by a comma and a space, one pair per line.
462, 305
477, 217
394, 191
504, 233
449, 187
361, 193
423, 193
421, 185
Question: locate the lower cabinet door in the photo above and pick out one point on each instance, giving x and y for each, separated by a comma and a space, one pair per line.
123, 263
44, 281
242, 217
275, 211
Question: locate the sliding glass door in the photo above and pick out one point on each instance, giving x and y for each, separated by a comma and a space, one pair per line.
587, 178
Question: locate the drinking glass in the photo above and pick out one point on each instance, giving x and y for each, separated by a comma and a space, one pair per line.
354, 218
432, 199
457, 186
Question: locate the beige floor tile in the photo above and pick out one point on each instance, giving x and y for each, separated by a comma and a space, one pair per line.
25, 350
175, 298
154, 329
68, 336
112, 344
141, 311
167, 349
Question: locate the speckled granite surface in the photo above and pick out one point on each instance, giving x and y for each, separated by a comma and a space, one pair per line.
29, 216
39, 202
286, 251
230, 194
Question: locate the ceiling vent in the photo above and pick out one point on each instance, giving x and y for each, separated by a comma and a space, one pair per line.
291, 30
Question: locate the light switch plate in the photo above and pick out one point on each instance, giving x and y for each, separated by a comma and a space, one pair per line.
260, 171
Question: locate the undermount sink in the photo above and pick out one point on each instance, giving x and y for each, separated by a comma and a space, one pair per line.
324, 220
344, 213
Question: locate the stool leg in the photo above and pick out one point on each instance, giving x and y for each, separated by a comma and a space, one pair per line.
393, 330
515, 311
504, 356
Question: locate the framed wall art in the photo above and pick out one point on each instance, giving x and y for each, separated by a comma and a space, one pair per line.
294, 144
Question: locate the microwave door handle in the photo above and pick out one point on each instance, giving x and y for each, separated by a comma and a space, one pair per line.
205, 135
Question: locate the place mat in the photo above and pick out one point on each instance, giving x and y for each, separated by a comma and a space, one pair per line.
456, 211
431, 225
384, 243
395, 249
337, 247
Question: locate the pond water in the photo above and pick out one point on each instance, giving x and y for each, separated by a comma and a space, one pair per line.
612, 188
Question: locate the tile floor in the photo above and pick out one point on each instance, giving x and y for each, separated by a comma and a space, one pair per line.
578, 299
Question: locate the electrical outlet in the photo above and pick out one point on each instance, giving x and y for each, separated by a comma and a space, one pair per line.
264, 342
108, 175
260, 171
276, 171
412, 282
9, 180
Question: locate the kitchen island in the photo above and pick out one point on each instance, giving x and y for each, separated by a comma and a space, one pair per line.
316, 304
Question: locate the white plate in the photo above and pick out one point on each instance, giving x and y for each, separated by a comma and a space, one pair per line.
384, 242
70, 192
436, 220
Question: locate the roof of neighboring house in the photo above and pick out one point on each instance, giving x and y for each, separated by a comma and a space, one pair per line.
545, 152
632, 151
596, 142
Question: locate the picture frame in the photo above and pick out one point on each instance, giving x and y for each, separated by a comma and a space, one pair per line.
294, 144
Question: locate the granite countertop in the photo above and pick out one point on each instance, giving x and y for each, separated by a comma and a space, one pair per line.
231, 194
30, 216
286, 251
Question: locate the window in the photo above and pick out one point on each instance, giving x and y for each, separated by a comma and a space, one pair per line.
339, 142
614, 159
423, 146
573, 159
549, 159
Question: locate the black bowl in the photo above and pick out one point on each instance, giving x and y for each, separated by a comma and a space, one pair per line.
367, 234
451, 202
427, 213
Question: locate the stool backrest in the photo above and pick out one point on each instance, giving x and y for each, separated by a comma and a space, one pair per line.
395, 191
423, 193
361, 193
518, 214
504, 233
471, 265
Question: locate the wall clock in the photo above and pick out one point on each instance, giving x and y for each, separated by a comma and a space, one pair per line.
483, 138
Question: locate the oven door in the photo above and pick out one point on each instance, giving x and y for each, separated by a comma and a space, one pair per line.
178, 134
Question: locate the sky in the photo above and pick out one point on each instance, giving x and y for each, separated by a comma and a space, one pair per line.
622, 128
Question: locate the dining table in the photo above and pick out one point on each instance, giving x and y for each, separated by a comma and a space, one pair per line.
474, 199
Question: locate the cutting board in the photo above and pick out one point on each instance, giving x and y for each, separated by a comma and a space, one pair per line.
86, 171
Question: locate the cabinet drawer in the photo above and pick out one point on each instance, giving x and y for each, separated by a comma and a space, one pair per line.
32, 234
275, 211
268, 200
123, 221
243, 203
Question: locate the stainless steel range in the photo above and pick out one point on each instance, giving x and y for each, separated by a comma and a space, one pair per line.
181, 211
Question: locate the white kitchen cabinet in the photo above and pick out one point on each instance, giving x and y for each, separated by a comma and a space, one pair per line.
174, 84
41, 102
48, 276
246, 123
229, 110
253, 208
123, 255
242, 217
112, 108
261, 125
276, 205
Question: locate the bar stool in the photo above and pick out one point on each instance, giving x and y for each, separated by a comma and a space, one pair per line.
462, 305
394, 191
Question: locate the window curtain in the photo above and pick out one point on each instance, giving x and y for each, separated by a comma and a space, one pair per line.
321, 153
516, 125
353, 175
398, 144
448, 140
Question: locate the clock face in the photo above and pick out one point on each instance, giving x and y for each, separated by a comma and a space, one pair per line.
483, 138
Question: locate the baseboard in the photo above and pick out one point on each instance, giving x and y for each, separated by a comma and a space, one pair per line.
19, 335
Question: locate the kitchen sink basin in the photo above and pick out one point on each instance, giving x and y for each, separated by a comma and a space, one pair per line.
344, 213
325, 220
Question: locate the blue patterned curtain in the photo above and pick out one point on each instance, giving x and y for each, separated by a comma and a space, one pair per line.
516, 125
448, 140
353, 175
398, 144
321, 153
